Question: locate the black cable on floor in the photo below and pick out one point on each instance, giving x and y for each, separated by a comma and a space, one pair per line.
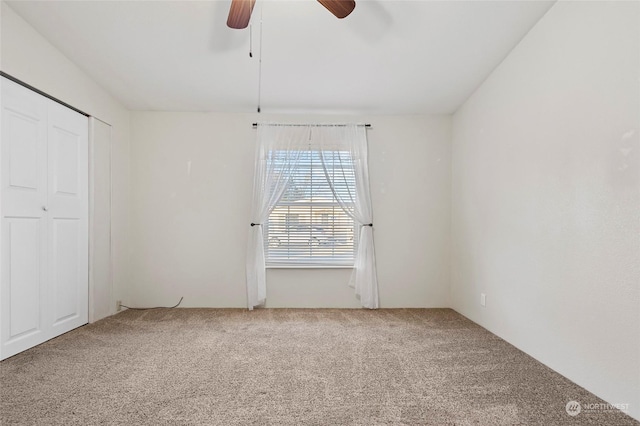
156, 307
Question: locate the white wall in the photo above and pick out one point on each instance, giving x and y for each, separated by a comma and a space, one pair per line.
546, 196
26, 55
190, 223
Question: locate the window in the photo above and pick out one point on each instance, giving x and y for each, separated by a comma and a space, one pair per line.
308, 227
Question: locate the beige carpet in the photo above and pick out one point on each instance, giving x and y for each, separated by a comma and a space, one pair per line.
287, 367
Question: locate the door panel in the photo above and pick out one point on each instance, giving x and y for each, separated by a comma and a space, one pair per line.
64, 148
23, 233
64, 260
24, 284
68, 215
23, 147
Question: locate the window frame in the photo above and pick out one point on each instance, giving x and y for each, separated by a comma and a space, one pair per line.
325, 219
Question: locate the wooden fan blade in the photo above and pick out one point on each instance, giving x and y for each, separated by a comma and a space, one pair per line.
340, 8
240, 13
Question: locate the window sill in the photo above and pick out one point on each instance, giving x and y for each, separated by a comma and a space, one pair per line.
309, 266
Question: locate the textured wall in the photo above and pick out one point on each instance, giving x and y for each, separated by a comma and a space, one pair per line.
546, 195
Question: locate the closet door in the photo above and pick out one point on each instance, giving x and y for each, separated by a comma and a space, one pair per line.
24, 275
43, 229
67, 218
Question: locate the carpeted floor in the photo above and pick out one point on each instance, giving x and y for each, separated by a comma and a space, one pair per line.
287, 367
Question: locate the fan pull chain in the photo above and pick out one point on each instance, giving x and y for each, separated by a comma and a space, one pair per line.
250, 41
260, 64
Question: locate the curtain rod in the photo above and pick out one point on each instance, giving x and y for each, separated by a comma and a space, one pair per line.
311, 125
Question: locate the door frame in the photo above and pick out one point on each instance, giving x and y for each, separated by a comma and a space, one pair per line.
93, 301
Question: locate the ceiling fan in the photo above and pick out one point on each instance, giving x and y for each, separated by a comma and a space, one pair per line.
240, 10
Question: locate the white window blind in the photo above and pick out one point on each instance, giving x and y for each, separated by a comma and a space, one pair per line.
307, 226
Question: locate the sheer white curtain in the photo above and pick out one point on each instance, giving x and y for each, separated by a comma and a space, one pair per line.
352, 139
277, 154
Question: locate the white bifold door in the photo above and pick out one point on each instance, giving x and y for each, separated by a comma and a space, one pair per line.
44, 219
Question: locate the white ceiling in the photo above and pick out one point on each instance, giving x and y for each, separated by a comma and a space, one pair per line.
393, 57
